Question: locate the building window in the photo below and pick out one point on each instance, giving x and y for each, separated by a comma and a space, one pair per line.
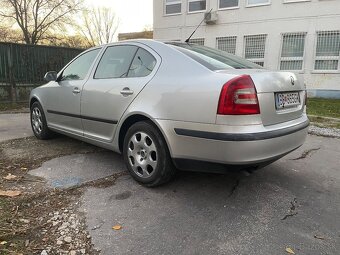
327, 50
295, 1
173, 7
197, 5
198, 41
292, 51
254, 48
224, 4
227, 44
257, 2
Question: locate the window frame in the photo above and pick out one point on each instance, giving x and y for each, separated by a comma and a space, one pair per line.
260, 4
100, 48
165, 4
295, 1
293, 58
199, 11
140, 48
337, 58
255, 60
197, 40
228, 8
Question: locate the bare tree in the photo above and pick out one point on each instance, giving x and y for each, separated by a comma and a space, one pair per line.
36, 17
99, 25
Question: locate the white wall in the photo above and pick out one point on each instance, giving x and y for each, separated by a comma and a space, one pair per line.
273, 20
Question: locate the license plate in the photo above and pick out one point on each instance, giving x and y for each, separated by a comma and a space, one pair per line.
287, 100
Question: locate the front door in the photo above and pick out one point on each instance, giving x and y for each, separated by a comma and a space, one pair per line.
63, 97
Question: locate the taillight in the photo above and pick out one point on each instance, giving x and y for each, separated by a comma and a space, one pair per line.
305, 97
238, 97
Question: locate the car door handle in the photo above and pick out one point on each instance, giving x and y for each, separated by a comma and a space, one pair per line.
76, 90
126, 92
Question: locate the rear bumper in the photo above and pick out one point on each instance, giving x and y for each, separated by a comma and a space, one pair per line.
232, 145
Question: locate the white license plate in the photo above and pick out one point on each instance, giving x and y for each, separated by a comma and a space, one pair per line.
287, 100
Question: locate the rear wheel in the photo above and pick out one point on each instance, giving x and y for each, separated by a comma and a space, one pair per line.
146, 155
38, 122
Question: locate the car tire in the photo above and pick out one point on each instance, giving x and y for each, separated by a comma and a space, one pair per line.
146, 155
38, 122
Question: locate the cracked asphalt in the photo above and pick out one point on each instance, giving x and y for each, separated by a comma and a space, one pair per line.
293, 203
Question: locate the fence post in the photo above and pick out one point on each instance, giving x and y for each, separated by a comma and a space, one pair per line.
11, 75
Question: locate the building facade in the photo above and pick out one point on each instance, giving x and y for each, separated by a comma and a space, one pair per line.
302, 36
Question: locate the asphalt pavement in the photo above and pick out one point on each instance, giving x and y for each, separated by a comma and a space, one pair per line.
292, 203
14, 126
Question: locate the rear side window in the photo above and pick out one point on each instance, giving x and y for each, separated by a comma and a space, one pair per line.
142, 64
214, 59
115, 62
79, 68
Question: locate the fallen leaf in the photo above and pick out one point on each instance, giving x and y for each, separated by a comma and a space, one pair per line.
290, 251
10, 193
10, 177
24, 168
3, 242
117, 227
319, 237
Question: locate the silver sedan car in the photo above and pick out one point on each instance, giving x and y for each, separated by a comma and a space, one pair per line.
168, 106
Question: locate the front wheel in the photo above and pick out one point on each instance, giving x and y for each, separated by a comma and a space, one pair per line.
38, 122
146, 155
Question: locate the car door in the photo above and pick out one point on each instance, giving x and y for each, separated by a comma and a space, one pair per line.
63, 97
121, 74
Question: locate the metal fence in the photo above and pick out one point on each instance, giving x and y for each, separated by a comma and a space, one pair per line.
22, 67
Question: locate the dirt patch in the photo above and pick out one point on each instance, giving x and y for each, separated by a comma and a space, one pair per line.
42, 220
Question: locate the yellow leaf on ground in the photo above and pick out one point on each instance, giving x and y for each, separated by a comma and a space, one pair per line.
10, 193
3, 243
10, 177
290, 251
24, 168
117, 227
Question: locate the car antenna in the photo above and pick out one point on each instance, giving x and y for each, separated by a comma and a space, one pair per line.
205, 15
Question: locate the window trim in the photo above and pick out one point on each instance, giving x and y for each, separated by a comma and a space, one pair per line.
199, 11
165, 4
228, 8
315, 58
293, 58
255, 5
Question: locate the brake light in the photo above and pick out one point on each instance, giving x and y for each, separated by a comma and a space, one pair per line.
238, 97
305, 97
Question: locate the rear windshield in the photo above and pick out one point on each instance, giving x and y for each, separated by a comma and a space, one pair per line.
213, 59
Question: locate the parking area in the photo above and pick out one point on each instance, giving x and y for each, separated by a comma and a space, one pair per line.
291, 205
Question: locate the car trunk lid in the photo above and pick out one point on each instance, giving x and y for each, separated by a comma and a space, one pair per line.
281, 95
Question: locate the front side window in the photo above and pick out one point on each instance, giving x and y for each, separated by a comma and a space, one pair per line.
115, 62
292, 52
142, 64
79, 68
258, 2
173, 6
227, 44
327, 50
254, 48
197, 5
227, 4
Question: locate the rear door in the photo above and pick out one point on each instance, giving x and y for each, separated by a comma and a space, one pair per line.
121, 74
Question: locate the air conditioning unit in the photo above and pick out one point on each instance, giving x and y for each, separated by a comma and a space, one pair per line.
210, 18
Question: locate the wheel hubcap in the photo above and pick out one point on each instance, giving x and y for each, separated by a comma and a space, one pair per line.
37, 123
142, 154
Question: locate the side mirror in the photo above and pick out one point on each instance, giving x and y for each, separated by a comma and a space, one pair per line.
50, 76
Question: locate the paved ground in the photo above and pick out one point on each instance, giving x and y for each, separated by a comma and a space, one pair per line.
14, 126
294, 203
